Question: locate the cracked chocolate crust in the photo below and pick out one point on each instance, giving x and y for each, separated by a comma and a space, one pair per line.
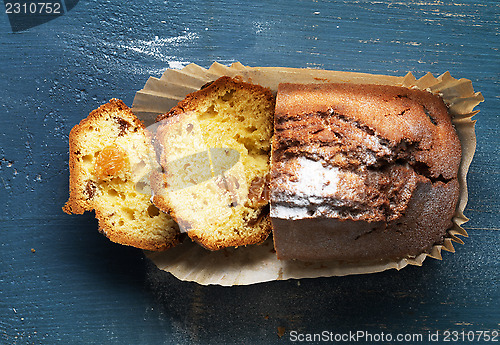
358, 120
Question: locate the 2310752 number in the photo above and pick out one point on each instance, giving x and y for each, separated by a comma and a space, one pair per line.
470, 336
33, 8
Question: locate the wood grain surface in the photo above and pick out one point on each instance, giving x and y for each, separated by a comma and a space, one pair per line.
61, 282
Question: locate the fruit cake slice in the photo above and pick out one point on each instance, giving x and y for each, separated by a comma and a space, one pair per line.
111, 157
214, 150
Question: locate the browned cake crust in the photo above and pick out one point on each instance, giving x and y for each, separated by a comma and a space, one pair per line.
224, 209
109, 151
192, 101
361, 172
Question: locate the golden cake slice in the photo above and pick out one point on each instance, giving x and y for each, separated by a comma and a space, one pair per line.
111, 158
214, 151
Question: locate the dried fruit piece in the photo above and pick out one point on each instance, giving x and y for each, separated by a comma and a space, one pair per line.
110, 161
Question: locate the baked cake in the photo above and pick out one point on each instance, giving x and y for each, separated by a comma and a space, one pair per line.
111, 157
361, 173
214, 149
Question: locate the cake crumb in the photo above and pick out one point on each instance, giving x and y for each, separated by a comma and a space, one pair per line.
33, 250
281, 331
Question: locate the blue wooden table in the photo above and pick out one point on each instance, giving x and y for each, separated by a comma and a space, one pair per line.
61, 282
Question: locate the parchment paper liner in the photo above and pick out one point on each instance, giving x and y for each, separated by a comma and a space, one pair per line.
255, 264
